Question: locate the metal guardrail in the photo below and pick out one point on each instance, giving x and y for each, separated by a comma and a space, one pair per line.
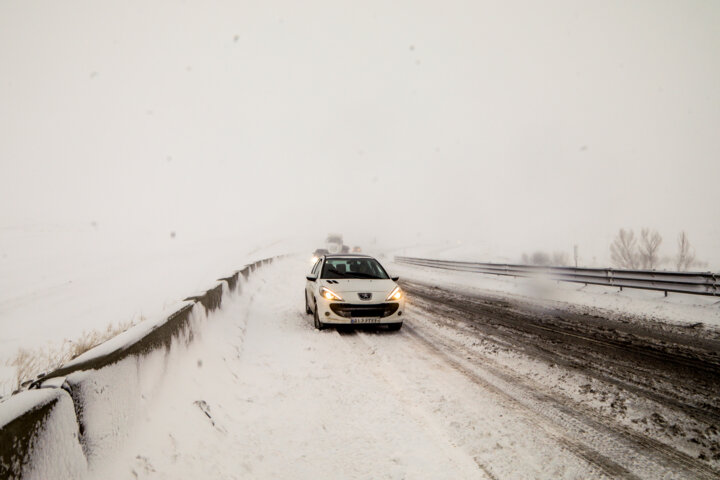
696, 283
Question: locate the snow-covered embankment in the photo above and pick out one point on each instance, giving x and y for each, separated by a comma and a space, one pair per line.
83, 409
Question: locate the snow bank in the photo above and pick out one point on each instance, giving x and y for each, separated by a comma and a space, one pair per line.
39, 437
50, 433
107, 399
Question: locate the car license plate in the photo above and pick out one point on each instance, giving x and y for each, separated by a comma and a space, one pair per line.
365, 320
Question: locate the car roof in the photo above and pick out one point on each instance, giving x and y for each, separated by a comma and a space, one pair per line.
347, 255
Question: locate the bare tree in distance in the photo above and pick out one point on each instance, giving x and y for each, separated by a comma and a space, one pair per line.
623, 250
540, 258
648, 251
560, 259
686, 253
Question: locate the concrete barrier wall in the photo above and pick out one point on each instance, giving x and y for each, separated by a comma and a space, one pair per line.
82, 410
45, 430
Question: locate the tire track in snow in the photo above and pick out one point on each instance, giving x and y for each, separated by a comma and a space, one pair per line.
463, 395
613, 448
430, 423
674, 367
604, 463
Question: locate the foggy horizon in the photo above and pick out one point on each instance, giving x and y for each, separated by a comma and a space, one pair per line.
515, 127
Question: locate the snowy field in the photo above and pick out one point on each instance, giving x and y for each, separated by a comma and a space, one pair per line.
262, 394
58, 282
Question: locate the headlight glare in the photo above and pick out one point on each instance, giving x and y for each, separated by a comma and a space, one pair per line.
396, 294
329, 294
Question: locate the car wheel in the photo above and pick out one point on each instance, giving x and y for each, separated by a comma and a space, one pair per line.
394, 327
316, 318
307, 306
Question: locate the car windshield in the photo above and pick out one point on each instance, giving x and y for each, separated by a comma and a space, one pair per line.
336, 268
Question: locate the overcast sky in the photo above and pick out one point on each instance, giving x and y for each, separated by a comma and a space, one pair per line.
519, 125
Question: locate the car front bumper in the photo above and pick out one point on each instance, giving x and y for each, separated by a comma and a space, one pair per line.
347, 313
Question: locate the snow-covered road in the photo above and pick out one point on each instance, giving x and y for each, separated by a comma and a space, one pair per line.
262, 394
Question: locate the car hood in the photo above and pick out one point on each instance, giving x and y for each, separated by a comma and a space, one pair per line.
348, 288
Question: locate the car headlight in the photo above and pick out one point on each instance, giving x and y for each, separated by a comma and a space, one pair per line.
396, 294
329, 294
314, 259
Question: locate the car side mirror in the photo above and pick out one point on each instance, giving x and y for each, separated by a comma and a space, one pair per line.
312, 278
394, 279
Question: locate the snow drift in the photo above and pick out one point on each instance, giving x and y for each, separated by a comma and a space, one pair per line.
83, 409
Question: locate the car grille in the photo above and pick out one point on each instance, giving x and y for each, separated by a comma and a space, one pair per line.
349, 310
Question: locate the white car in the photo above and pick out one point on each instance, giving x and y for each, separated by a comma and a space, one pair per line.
349, 289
